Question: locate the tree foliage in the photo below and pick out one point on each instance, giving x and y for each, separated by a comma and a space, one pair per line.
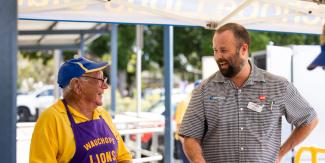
126, 36
31, 71
152, 47
45, 56
259, 40
190, 44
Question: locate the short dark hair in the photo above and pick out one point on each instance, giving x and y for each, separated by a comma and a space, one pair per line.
239, 33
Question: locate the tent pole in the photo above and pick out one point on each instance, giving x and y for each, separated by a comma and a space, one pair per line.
113, 73
57, 64
8, 76
81, 45
139, 46
234, 12
168, 83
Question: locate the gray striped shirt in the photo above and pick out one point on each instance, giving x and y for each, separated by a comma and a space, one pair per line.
222, 117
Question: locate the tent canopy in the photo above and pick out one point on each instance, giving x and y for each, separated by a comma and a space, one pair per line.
46, 35
299, 16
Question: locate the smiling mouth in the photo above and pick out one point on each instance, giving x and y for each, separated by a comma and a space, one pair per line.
223, 63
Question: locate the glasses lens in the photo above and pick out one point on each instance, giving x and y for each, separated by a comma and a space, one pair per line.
103, 81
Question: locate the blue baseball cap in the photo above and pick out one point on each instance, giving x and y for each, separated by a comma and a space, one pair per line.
75, 68
319, 60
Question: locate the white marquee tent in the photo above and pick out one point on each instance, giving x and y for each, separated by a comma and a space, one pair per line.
301, 16
298, 16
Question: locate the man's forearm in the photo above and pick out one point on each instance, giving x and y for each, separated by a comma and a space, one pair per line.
297, 136
193, 150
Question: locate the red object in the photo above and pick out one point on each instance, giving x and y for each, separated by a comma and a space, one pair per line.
262, 98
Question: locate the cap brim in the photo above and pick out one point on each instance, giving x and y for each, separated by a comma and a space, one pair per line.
98, 67
92, 66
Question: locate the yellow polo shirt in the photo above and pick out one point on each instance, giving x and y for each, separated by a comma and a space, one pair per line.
53, 139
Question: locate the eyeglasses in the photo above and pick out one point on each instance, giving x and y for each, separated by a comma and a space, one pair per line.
103, 81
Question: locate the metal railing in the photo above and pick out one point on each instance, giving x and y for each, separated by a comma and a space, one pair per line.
126, 128
313, 150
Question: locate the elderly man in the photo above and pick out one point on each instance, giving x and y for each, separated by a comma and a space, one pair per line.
235, 115
75, 129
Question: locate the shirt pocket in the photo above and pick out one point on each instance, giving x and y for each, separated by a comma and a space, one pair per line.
212, 107
261, 125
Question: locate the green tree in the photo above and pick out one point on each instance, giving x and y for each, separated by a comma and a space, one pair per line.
102, 45
46, 55
31, 71
190, 44
259, 40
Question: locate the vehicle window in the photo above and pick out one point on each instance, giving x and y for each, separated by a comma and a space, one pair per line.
48, 92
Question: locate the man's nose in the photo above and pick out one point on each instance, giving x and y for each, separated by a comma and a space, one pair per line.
105, 85
218, 55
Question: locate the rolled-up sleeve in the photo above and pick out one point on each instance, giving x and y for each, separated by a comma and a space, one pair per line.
297, 110
194, 118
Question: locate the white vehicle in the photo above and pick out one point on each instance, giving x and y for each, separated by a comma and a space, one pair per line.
30, 105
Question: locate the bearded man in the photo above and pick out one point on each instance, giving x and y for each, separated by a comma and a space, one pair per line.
235, 115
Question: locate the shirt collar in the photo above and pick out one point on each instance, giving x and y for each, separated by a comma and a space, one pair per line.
74, 112
256, 75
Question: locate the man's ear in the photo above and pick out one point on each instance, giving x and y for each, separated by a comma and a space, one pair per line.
75, 85
244, 49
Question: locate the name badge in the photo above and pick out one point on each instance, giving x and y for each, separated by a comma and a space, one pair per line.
255, 107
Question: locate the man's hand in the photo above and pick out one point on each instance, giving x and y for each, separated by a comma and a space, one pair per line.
297, 136
193, 150
278, 159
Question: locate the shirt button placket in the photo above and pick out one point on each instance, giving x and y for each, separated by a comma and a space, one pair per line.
241, 125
